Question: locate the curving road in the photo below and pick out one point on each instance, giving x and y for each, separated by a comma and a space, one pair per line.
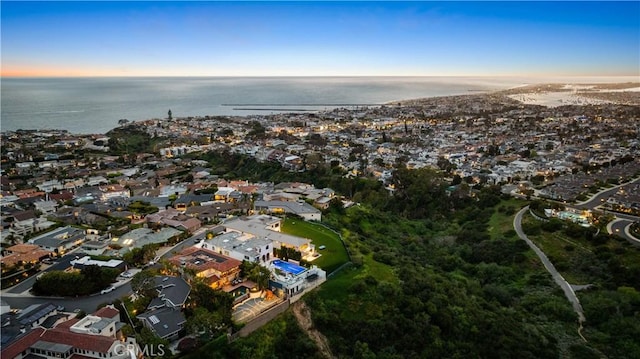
18, 297
557, 277
87, 304
62, 264
621, 228
601, 196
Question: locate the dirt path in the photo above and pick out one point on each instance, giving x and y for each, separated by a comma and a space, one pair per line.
303, 316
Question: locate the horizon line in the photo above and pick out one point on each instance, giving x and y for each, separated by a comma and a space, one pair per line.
314, 76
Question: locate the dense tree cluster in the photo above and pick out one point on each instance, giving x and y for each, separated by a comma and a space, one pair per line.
89, 280
140, 256
432, 277
208, 311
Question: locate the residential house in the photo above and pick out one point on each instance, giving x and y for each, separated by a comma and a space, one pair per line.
225, 194
61, 197
50, 186
269, 227
95, 336
241, 247
300, 208
95, 247
174, 218
209, 213
35, 314
86, 261
217, 269
190, 200
113, 191
96, 181
164, 316
171, 190
21, 254
139, 237
46, 207
296, 282
60, 240
24, 222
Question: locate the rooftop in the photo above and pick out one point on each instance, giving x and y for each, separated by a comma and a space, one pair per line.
234, 241
288, 206
259, 225
203, 259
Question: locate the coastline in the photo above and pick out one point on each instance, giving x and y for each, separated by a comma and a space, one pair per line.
76, 118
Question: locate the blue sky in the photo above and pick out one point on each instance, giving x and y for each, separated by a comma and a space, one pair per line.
320, 38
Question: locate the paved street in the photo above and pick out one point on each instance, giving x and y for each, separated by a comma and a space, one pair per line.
557, 277
88, 304
17, 298
620, 227
601, 197
62, 264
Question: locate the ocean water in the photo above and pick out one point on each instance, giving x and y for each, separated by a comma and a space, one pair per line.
94, 105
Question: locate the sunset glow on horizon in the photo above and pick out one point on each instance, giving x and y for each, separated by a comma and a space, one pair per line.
86, 39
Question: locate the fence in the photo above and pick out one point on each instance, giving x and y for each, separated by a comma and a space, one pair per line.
259, 321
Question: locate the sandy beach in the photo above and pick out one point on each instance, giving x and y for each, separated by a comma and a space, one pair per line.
554, 95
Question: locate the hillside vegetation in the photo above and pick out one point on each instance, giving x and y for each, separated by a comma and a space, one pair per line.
437, 275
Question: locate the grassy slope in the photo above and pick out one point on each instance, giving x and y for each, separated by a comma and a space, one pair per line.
561, 248
333, 256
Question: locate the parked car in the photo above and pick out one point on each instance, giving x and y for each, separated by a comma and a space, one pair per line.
322, 247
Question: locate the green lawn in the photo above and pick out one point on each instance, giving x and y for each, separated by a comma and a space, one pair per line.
502, 221
564, 252
380, 271
335, 289
333, 256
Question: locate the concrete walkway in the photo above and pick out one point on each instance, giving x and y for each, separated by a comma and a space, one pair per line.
557, 277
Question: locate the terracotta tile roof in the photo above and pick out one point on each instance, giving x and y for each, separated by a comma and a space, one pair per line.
25, 191
96, 343
248, 189
31, 195
62, 196
107, 312
212, 279
68, 324
24, 215
23, 248
32, 256
22, 344
202, 259
236, 183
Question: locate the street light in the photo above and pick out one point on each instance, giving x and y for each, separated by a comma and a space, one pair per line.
128, 316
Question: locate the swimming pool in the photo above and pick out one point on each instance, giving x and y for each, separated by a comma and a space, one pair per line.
288, 267
241, 290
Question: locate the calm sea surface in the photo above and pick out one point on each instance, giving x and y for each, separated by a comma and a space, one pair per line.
94, 105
